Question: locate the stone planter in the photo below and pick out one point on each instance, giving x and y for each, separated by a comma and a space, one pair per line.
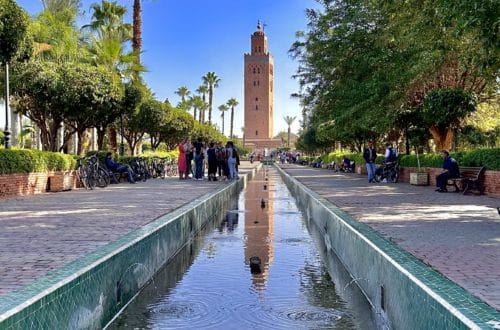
419, 179
61, 181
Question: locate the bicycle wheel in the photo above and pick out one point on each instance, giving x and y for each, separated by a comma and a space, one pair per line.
82, 176
102, 178
91, 180
396, 174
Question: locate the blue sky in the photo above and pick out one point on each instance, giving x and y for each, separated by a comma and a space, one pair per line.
183, 40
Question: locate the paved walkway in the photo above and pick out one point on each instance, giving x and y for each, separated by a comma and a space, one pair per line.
457, 235
44, 232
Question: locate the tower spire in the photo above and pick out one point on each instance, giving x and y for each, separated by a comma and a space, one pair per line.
259, 27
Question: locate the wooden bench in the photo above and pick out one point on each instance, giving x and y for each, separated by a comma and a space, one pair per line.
470, 179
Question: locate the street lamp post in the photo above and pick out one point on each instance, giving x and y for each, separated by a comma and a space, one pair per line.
7, 130
122, 146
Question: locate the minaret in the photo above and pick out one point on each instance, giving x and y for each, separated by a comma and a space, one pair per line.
259, 96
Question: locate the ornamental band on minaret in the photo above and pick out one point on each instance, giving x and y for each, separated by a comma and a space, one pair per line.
259, 93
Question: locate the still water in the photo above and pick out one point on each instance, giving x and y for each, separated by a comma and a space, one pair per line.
211, 285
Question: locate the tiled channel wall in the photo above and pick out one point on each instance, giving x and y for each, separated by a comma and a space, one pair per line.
88, 293
404, 292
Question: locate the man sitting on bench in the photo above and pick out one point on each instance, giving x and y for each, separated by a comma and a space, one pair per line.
119, 168
450, 170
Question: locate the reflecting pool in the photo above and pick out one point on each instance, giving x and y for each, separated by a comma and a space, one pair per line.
258, 268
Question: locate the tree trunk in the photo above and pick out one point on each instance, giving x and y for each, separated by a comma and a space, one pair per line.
232, 122
83, 141
407, 144
210, 99
101, 133
222, 123
113, 139
202, 110
195, 112
443, 139
137, 32
288, 142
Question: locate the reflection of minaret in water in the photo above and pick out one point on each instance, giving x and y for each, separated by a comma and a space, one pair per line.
259, 226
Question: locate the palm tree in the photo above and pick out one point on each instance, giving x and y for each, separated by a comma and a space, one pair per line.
212, 81
289, 120
197, 104
57, 6
202, 90
137, 34
223, 108
107, 21
232, 103
203, 109
183, 92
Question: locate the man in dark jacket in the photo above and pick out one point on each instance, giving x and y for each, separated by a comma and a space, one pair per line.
119, 168
370, 155
450, 170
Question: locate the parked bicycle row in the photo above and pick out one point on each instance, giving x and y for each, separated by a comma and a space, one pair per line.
92, 173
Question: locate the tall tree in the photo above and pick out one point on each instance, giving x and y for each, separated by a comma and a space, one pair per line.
289, 121
223, 108
137, 34
212, 81
197, 104
232, 103
56, 6
183, 92
202, 90
14, 23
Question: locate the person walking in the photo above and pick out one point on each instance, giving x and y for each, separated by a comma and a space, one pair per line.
212, 162
198, 159
370, 154
450, 170
231, 159
181, 161
189, 157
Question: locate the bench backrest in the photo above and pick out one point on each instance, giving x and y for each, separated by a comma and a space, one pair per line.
471, 172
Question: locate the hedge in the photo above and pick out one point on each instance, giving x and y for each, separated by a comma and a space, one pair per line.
489, 158
28, 160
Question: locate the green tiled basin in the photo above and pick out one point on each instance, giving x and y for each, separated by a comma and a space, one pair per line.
404, 292
89, 292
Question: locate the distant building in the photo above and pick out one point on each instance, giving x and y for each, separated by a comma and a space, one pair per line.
259, 94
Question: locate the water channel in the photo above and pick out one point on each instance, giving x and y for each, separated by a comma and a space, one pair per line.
212, 283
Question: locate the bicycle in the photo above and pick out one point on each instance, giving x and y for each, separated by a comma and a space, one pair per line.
81, 172
140, 168
171, 168
388, 172
96, 174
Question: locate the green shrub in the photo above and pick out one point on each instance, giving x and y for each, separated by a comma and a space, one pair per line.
490, 158
28, 161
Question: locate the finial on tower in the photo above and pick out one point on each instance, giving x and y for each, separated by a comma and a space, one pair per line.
258, 25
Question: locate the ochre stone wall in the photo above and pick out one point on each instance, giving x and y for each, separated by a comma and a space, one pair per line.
22, 184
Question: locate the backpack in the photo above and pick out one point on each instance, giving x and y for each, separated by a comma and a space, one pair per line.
392, 155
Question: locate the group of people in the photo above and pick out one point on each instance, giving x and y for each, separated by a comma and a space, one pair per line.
370, 154
290, 157
222, 161
450, 166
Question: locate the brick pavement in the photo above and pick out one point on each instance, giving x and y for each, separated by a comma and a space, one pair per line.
44, 232
455, 234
